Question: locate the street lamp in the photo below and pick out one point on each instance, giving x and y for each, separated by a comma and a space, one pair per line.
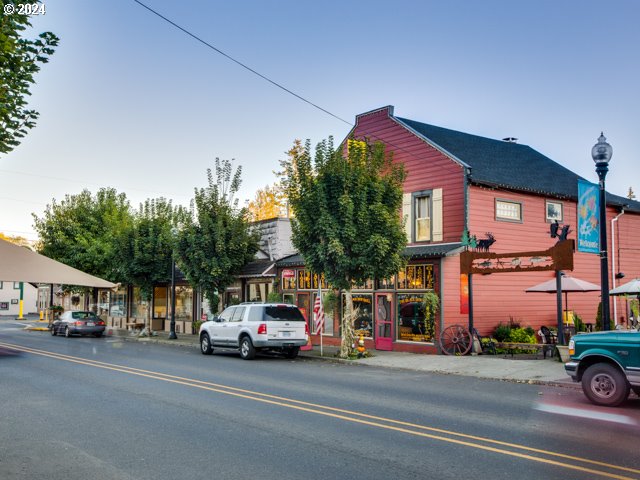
601, 153
172, 329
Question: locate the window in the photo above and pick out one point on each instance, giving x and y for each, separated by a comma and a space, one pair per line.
227, 314
363, 323
16, 285
553, 211
508, 211
238, 314
1, 285
118, 303
422, 214
160, 302
412, 324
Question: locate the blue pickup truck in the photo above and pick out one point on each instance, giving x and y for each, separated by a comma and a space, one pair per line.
607, 364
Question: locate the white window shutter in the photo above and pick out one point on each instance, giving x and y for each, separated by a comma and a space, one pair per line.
437, 215
406, 214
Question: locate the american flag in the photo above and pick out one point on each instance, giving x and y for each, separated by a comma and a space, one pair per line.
318, 314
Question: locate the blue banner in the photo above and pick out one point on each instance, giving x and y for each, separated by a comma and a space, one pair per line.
588, 217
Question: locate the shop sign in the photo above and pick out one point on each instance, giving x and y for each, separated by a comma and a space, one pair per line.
287, 273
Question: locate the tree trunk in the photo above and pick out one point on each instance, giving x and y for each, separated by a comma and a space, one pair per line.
346, 345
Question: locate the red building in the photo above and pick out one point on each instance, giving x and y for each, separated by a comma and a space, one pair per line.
459, 182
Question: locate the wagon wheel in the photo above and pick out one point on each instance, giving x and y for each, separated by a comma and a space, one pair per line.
455, 340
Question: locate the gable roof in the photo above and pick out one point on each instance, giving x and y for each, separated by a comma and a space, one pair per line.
497, 163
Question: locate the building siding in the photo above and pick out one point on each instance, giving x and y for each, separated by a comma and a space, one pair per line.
426, 167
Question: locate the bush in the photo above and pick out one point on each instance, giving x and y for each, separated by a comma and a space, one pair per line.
522, 335
502, 332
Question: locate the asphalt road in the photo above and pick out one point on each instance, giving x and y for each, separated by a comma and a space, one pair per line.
105, 408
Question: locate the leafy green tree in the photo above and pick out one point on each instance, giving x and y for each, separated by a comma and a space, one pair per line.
20, 60
147, 247
216, 240
347, 221
85, 231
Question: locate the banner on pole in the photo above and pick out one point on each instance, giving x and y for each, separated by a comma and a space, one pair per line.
588, 217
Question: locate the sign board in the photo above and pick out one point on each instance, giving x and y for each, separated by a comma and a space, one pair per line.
288, 273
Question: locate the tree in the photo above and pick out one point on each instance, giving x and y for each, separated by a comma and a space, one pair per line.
216, 241
17, 240
20, 60
147, 247
631, 195
268, 203
85, 232
347, 221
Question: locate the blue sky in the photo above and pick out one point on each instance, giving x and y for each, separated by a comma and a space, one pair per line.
130, 102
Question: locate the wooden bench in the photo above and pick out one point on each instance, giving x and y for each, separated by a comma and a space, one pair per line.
135, 325
512, 347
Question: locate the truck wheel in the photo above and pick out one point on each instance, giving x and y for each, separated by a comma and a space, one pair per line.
605, 385
247, 350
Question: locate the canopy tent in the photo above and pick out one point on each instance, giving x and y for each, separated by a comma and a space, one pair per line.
19, 264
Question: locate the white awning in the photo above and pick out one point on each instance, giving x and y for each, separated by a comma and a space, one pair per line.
19, 264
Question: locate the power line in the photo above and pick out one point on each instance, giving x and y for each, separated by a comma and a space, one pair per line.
195, 37
246, 67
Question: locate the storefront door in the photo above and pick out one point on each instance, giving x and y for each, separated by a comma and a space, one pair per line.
383, 312
303, 303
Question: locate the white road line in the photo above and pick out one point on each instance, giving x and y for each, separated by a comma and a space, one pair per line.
589, 414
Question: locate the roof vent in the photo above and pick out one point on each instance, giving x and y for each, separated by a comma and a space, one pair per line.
510, 140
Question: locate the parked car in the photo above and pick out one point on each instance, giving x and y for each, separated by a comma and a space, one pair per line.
252, 328
607, 364
78, 323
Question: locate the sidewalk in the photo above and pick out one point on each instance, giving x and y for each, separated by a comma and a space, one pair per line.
534, 370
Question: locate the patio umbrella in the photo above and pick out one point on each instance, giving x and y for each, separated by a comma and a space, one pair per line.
629, 288
569, 284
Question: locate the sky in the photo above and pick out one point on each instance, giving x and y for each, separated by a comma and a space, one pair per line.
129, 101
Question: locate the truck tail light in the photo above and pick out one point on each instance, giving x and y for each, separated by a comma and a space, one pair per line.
262, 329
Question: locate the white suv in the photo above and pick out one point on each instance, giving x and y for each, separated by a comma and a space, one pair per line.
255, 327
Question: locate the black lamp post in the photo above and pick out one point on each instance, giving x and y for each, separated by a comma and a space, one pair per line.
601, 153
172, 328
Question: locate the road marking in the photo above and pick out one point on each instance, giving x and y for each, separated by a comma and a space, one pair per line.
365, 419
588, 414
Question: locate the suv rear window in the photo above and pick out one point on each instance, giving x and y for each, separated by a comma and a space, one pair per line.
282, 314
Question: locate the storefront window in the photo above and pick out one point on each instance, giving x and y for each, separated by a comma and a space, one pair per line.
328, 320
310, 281
288, 298
412, 325
118, 303
258, 292
184, 303
366, 285
416, 277
387, 283
288, 279
103, 303
138, 305
363, 323
160, 302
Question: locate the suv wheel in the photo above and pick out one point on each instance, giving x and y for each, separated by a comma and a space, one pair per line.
291, 352
205, 344
605, 385
247, 350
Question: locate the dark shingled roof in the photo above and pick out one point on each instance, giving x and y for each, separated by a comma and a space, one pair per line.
414, 252
497, 163
257, 268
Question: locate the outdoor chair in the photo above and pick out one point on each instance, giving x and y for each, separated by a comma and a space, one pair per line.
549, 339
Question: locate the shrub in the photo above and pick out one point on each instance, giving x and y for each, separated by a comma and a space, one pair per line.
502, 332
521, 335
274, 297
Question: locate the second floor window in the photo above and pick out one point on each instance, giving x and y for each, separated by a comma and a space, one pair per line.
422, 211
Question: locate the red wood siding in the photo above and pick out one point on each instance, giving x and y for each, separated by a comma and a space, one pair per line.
501, 297
426, 167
